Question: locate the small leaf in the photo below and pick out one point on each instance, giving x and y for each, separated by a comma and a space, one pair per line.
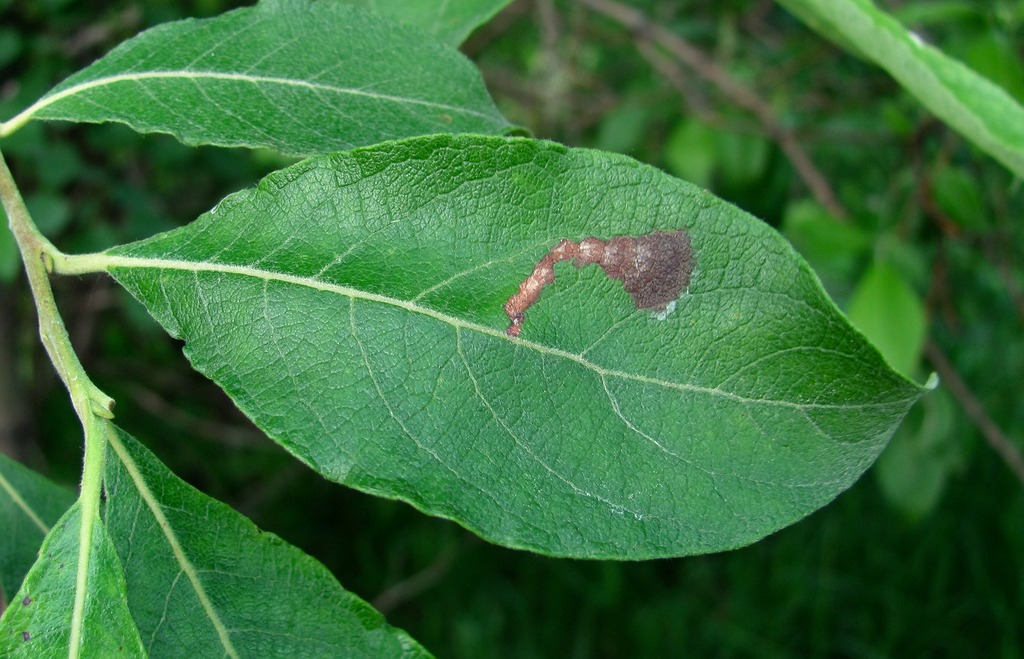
38, 622
997, 59
289, 75
450, 22
892, 315
978, 109
29, 505
959, 195
924, 453
834, 249
691, 151
201, 576
352, 305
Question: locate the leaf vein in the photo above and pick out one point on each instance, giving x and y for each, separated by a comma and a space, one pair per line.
171, 537
195, 76
391, 411
113, 260
525, 447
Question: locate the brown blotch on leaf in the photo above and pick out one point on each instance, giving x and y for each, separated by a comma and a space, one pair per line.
654, 269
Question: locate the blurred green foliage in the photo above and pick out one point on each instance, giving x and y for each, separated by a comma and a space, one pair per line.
926, 559
890, 313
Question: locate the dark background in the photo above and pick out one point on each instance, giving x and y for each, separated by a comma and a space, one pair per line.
923, 557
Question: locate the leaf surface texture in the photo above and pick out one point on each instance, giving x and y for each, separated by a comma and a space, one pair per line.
352, 306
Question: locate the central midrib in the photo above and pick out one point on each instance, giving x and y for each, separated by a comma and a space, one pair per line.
239, 77
113, 261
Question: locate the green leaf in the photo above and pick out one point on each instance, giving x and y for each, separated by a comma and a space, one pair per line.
924, 453
624, 129
176, 569
29, 505
959, 195
289, 75
996, 58
39, 621
939, 12
975, 107
450, 22
891, 314
834, 249
352, 306
691, 151
202, 576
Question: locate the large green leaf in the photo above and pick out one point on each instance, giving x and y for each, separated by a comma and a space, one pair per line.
171, 570
449, 21
29, 505
290, 75
978, 109
352, 306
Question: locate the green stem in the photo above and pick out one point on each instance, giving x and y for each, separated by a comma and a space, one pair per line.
38, 254
94, 408
79, 264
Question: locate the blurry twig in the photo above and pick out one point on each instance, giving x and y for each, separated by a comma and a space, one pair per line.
975, 411
423, 580
268, 489
97, 34
553, 84
674, 74
225, 434
692, 57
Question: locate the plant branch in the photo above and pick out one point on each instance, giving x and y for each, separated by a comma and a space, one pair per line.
416, 584
999, 442
648, 32
553, 83
94, 408
38, 255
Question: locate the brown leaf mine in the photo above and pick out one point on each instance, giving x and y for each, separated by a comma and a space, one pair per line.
654, 269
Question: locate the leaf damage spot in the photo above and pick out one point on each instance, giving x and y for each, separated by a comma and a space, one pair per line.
654, 269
